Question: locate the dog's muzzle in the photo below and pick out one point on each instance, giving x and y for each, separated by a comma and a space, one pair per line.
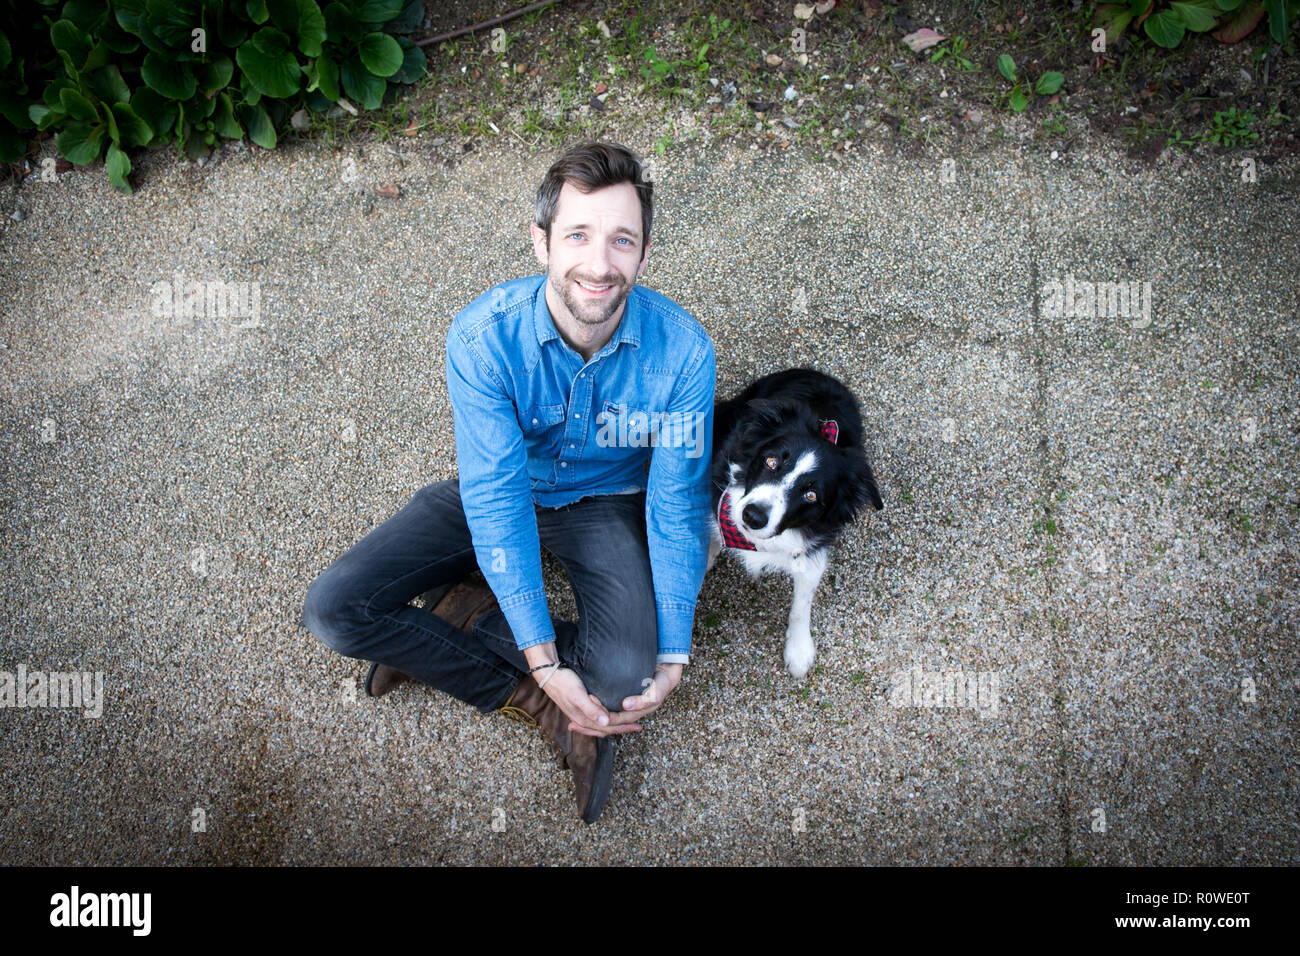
732, 536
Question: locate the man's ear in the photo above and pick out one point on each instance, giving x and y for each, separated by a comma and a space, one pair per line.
539, 244
645, 258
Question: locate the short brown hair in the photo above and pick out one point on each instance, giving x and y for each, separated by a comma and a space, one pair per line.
591, 166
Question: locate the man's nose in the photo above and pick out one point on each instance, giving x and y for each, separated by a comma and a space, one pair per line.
598, 261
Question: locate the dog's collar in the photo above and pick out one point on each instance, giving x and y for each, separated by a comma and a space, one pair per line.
732, 537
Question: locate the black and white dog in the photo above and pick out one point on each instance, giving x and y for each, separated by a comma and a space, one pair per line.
789, 473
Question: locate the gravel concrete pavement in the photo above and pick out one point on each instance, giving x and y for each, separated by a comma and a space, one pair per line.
1092, 517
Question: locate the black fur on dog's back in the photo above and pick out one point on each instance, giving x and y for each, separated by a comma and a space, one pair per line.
793, 402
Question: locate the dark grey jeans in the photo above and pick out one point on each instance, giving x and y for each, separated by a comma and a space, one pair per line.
359, 605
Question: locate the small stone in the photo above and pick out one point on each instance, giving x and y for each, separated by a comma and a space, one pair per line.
791, 92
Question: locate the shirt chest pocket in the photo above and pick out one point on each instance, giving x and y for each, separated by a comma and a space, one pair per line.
627, 426
543, 428
538, 418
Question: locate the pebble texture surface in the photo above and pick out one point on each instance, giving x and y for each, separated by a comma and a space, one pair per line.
1094, 515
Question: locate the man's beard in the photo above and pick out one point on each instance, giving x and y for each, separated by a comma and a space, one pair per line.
589, 311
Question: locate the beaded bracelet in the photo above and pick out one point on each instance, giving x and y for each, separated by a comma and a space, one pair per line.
540, 666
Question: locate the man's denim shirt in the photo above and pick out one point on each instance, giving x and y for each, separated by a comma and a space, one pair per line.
537, 425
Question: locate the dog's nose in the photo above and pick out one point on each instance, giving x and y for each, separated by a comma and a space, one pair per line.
755, 516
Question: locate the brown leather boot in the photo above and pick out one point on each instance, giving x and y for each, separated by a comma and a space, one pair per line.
461, 607
466, 603
382, 678
591, 759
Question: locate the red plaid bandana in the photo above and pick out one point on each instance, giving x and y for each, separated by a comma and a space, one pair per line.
732, 537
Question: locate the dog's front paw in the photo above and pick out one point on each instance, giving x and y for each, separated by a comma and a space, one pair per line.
799, 652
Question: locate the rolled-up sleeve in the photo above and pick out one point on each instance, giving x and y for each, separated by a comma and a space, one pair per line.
677, 505
494, 491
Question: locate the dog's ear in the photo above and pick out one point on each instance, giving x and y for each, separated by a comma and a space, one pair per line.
859, 489
871, 494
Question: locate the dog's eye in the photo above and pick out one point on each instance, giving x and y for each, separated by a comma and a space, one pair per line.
771, 463
810, 495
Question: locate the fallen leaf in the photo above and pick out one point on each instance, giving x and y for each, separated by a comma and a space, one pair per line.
601, 88
825, 6
413, 129
923, 39
803, 11
391, 191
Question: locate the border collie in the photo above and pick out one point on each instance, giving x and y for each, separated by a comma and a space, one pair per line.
789, 473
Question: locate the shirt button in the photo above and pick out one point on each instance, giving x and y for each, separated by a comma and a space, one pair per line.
534, 421
577, 416
564, 464
570, 446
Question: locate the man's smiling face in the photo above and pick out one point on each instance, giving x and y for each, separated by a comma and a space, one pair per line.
596, 251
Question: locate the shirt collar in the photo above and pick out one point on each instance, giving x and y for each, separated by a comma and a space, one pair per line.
629, 326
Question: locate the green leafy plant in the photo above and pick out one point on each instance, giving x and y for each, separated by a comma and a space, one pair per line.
1054, 122
953, 49
1232, 127
27, 63
1167, 26
184, 72
655, 69
1021, 89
